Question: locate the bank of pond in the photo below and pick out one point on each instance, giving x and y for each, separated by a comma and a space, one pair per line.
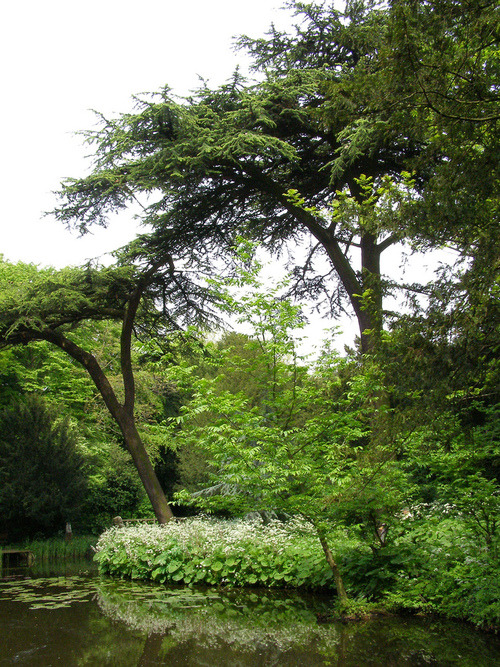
225, 592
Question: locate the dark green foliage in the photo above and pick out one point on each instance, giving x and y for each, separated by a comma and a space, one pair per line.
42, 480
447, 569
167, 470
435, 78
371, 573
10, 380
114, 490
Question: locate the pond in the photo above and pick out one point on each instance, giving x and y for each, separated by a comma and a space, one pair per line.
75, 617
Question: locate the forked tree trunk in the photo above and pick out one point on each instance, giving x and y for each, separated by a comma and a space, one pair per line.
123, 414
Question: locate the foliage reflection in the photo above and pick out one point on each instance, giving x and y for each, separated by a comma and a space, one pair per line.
86, 620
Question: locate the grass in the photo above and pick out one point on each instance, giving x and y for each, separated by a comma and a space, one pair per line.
57, 549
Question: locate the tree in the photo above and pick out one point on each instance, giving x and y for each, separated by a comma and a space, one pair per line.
437, 78
441, 363
264, 159
444, 55
41, 470
294, 439
49, 305
373, 92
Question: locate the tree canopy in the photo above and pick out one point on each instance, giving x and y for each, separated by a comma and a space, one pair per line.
328, 114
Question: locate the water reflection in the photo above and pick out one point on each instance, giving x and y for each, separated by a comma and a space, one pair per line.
224, 626
81, 619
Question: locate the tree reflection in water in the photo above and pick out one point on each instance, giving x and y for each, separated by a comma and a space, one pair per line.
91, 621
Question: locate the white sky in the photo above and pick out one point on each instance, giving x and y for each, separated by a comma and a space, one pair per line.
62, 58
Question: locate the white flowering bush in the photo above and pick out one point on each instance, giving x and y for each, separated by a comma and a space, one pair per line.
217, 552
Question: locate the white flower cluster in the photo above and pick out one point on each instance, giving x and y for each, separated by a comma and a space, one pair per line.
203, 536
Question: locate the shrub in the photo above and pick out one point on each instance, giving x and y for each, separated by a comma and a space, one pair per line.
449, 571
114, 489
42, 481
217, 552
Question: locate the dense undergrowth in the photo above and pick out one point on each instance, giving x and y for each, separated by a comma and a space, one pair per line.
434, 567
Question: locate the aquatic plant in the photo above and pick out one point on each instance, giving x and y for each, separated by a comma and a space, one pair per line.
48, 592
58, 549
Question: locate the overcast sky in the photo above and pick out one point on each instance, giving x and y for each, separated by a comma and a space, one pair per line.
61, 59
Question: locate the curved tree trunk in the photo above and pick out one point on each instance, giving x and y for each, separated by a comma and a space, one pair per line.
122, 414
145, 469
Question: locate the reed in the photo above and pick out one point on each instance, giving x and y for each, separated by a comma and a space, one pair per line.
57, 549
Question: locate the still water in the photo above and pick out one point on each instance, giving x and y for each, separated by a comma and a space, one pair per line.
75, 617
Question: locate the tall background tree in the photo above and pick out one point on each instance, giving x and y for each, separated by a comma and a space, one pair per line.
268, 159
42, 477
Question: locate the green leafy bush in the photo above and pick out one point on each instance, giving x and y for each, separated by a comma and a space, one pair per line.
449, 571
217, 552
114, 490
370, 573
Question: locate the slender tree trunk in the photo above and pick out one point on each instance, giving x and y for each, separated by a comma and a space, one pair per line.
339, 584
372, 320
124, 417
